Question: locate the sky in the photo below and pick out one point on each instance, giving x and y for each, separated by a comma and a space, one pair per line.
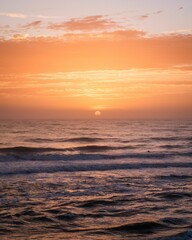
69, 58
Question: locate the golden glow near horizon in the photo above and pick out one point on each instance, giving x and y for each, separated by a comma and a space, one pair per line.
93, 89
97, 113
79, 64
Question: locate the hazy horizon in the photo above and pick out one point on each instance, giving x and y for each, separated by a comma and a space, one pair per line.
42, 114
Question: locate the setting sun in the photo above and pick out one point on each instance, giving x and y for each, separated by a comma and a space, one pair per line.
97, 113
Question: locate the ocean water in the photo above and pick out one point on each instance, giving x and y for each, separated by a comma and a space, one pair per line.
97, 179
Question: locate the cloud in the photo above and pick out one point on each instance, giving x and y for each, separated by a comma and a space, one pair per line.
143, 17
90, 23
22, 15
147, 15
125, 34
33, 24
20, 36
180, 31
185, 67
13, 15
6, 29
103, 36
158, 12
45, 16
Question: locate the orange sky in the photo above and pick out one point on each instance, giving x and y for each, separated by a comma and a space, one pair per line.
96, 64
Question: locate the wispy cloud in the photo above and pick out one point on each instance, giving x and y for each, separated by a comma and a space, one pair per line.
180, 8
45, 16
90, 23
158, 12
147, 15
20, 36
33, 24
143, 17
22, 15
180, 32
184, 67
13, 15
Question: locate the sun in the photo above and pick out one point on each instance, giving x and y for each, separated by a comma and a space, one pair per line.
97, 113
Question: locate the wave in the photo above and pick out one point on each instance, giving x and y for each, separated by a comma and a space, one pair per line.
56, 140
169, 146
89, 152
23, 149
154, 227
139, 227
171, 221
174, 177
84, 139
185, 235
41, 168
95, 202
174, 195
86, 148
88, 139
171, 138
100, 148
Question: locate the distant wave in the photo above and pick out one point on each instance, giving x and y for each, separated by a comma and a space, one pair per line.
38, 168
23, 149
171, 138
88, 152
84, 139
86, 148
89, 139
78, 139
174, 176
99, 148
171, 146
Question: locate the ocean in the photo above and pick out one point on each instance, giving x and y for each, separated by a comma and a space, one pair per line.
95, 179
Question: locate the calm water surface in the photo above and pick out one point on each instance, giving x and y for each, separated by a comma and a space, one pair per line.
96, 180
